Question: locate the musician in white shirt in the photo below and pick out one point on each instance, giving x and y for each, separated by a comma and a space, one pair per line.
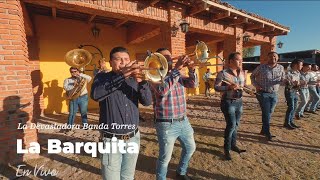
81, 100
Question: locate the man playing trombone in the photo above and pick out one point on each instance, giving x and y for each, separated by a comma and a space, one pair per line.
230, 82
171, 120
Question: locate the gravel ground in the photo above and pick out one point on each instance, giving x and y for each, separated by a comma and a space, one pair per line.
294, 154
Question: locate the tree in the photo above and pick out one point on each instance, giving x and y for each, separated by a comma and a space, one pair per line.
248, 52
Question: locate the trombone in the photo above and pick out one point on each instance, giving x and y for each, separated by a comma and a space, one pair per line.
250, 91
155, 67
201, 54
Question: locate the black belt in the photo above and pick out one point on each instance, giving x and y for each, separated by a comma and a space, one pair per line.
170, 120
120, 136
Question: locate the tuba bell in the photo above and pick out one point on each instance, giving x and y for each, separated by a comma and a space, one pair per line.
78, 58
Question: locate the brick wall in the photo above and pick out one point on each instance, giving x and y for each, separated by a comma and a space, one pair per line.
177, 44
233, 43
220, 54
15, 83
266, 48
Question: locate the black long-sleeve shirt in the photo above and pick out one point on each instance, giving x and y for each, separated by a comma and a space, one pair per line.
118, 100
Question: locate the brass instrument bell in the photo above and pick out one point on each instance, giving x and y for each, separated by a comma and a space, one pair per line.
78, 58
155, 67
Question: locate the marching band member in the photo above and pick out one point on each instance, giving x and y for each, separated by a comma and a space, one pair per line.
231, 101
267, 78
314, 96
317, 70
291, 92
171, 119
206, 78
304, 90
80, 99
118, 93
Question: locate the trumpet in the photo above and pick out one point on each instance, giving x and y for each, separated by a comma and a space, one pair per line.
250, 91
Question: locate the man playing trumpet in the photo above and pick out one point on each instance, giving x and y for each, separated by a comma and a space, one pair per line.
231, 100
171, 119
118, 93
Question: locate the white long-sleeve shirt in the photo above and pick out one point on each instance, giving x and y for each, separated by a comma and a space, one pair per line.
69, 83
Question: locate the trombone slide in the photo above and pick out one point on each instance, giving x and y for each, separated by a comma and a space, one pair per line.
245, 89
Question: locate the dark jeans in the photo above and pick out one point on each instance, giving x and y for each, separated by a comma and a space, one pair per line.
232, 111
207, 90
292, 102
82, 103
318, 91
267, 103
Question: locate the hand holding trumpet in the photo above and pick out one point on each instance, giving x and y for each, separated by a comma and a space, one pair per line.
184, 61
132, 69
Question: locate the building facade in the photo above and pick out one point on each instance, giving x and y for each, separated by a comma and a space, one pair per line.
35, 35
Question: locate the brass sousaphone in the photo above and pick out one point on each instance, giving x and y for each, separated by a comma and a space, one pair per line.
78, 58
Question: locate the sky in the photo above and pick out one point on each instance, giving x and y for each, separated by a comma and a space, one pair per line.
303, 18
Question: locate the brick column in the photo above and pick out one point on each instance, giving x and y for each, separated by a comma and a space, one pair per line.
16, 96
266, 48
233, 43
177, 45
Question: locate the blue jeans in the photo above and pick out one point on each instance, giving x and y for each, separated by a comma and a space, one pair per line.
304, 97
314, 99
168, 133
118, 166
268, 102
292, 101
82, 103
232, 111
207, 89
318, 91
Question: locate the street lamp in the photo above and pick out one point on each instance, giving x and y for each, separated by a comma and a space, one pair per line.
95, 31
246, 38
280, 44
184, 25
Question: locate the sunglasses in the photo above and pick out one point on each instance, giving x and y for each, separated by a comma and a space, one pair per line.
74, 71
